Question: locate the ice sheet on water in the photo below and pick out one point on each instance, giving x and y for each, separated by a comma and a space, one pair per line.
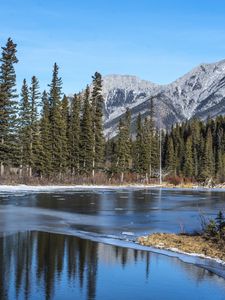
39, 219
128, 233
33, 219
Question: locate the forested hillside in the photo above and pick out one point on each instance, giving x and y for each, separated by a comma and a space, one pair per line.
49, 137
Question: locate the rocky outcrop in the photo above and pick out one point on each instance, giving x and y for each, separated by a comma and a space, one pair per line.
199, 93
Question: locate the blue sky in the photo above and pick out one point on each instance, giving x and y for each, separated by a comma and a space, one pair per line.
156, 40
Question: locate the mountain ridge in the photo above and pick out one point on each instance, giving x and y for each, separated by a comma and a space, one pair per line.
198, 93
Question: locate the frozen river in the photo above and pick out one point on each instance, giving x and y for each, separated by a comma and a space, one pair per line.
40, 256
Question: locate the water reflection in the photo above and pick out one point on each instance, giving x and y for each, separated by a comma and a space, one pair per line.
39, 265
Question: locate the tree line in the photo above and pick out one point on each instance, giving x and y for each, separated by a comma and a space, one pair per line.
192, 151
49, 135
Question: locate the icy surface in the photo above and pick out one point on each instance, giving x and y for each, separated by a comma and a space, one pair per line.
110, 215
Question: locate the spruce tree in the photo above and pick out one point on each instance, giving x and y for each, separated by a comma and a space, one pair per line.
25, 129
34, 99
9, 151
123, 147
179, 137
74, 135
170, 157
188, 160
58, 126
150, 149
86, 135
45, 155
66, 113
207, 164
138, 144
219, 151
152, 140
147, 147
97, 105
196, 142
35, 130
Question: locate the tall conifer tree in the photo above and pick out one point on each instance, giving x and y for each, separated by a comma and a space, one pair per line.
123, 147
207, 163
74, 135
35, 130
97, 102
58, 125
170, 157
188, 159
138, 144
45, 156
25, 128
9, 152
86, 135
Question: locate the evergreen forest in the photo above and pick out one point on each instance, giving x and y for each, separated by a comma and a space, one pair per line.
48, 137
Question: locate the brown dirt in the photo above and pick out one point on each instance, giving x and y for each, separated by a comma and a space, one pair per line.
185, 243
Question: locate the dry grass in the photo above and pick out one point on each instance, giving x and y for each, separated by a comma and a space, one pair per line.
100, 178
185, 243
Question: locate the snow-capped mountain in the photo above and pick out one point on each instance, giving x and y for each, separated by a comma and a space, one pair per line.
200, 93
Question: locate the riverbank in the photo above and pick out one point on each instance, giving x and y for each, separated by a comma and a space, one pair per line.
23, 187
54, 187
186, 244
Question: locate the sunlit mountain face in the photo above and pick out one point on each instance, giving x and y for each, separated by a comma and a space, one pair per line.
199, 93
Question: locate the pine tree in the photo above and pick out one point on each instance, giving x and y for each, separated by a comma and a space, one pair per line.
45, 157
66, 113
179, 136
25, 128
35, 130
170, 157
123, 147
58, 126
138, 144
207, 164
150, 146
219, 151
188, 160
97, 104
74, 135
150, 150
109, 154
147, 149
196, 143
9, 152
152, 140
86, 135
34, 98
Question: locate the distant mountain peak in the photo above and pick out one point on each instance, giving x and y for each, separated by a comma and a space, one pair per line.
126, 81
199, 93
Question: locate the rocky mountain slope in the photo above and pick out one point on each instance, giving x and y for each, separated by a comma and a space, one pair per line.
199, 93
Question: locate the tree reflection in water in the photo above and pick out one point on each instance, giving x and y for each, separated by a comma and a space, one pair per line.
40, 260
40, 265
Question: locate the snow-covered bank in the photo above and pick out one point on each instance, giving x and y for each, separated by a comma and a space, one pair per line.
193, 254
52, 188
37, 188
195, 247
215, 266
